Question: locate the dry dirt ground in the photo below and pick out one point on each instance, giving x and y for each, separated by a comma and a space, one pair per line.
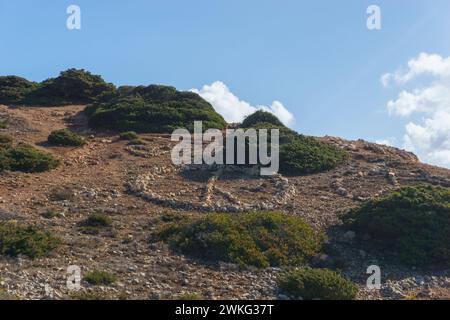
136, 186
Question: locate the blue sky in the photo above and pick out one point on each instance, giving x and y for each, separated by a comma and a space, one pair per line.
316, 57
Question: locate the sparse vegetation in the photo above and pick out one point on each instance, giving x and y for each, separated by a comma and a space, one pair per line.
97, 277
95, 223
128, 135
260, 239
3, 124
62, 194
5, 140
50, 214
25, 240
152, 109
136, 142
321, 284
411, 224
65, 137
26, 159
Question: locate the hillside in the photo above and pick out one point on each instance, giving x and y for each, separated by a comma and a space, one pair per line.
137, 188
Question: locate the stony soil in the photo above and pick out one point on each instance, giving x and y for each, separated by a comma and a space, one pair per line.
135, 186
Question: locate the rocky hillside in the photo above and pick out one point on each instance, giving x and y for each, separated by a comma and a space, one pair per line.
108, 199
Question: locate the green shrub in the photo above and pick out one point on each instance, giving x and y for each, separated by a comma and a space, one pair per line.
5, 161
65, 137
95, 223
321, 284
96, 277
26, 159
412, 224
261, 239
129, 135
152, 109
136, 142
261, 117
3, 124
299, 154
14, 89
308, 155
73, 86
98, 220
25, 240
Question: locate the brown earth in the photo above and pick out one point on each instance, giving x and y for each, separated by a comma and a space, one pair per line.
136, 185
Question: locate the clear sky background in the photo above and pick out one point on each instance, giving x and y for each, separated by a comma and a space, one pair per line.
316, 58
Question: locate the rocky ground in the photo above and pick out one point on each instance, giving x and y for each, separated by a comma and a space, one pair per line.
135, 186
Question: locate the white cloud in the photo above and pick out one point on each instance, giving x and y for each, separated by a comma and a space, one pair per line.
390, 142
430, 139
431, 64
235, 110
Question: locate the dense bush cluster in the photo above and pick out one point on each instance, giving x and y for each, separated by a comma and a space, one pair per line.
65, 137
261, 117
153, 109
25, 158
412, 224
299, 154
14, 90
260, 239
320, 284
25, 240
70, 87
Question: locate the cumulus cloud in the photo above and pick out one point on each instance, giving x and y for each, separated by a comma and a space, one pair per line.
234, 109
390, 142
425, 63
429, 139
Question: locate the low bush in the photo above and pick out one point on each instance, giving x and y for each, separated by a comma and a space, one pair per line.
136, 142
320, 284
308, 155
95, 223
3, 124
65, 137
26, 159
260, 239
128, 135
411, 224
97, 277
25, 240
